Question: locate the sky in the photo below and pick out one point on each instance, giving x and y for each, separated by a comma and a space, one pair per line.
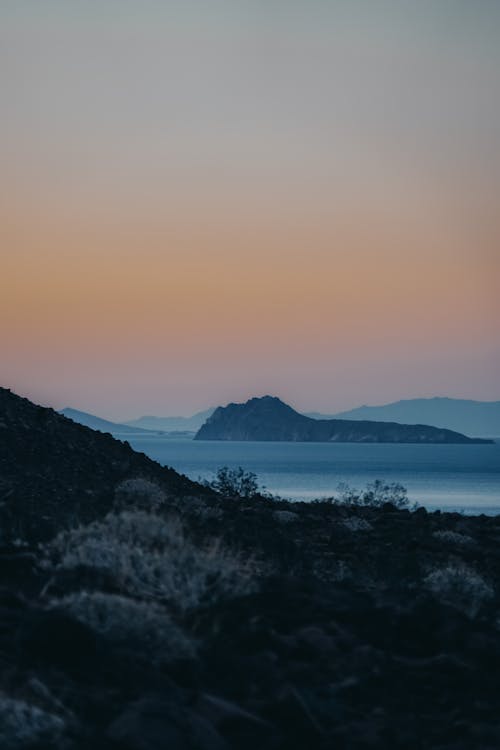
209, 200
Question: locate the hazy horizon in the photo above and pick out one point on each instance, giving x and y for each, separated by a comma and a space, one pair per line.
206, 201
302, 408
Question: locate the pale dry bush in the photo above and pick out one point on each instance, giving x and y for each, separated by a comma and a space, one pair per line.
353, 523
23, 725
285, 516
126, 622
139, 494
460, 586
453, 537
337, 571
150, 557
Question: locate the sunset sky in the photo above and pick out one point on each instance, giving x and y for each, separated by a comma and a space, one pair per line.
206, 200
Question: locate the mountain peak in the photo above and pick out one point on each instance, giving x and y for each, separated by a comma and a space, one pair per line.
264, 405
269, 418
267, 401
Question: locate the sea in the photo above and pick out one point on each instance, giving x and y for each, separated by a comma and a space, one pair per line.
462, 478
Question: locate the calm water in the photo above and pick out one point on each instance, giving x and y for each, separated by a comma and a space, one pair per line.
463, 477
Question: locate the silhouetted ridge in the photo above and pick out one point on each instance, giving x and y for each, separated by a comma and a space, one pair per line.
53, 470
172, 424
103, 425
268, 418
478, 418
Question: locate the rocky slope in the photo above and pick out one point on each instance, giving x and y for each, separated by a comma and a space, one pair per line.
53, 470
268, 418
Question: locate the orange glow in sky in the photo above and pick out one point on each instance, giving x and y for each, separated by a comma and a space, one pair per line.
200, 208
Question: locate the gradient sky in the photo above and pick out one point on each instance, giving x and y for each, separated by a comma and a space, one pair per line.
206, 200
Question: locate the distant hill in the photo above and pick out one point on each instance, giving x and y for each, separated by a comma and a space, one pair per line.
54, 472
172, 424
268, 418
97, 423
477, 418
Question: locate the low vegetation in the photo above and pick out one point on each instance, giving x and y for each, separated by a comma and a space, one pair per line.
448, 536
147, 556
460, 586
376, 494
23, 725
127, 622
235, 483
236, 620
139, 610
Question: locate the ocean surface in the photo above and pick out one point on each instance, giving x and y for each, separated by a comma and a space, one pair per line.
452, 477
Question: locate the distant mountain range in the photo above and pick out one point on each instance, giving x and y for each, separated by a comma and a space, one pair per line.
97, 423
172, 424
187, 426
268, 418
475, 418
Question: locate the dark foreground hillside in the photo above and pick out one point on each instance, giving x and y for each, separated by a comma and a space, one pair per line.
53, 470
203, 622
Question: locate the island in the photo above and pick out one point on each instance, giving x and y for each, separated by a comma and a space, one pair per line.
270, 419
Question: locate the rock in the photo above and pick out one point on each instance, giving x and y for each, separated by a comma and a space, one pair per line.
239, 727
420, 513
51, 637
285, 516
153, 723
316, 640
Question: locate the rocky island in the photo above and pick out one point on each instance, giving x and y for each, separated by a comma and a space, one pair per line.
269, 418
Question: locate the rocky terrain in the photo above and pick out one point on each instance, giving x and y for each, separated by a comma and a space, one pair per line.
53, 470
161, 614
268, 418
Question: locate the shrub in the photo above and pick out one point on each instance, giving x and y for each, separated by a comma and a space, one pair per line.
235, 483
459, 586
376, 494
199, 508
23, 725
126, 622
354, 523
337, 571
139, 494
285, 516
151, 558
210, 513
453, 537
